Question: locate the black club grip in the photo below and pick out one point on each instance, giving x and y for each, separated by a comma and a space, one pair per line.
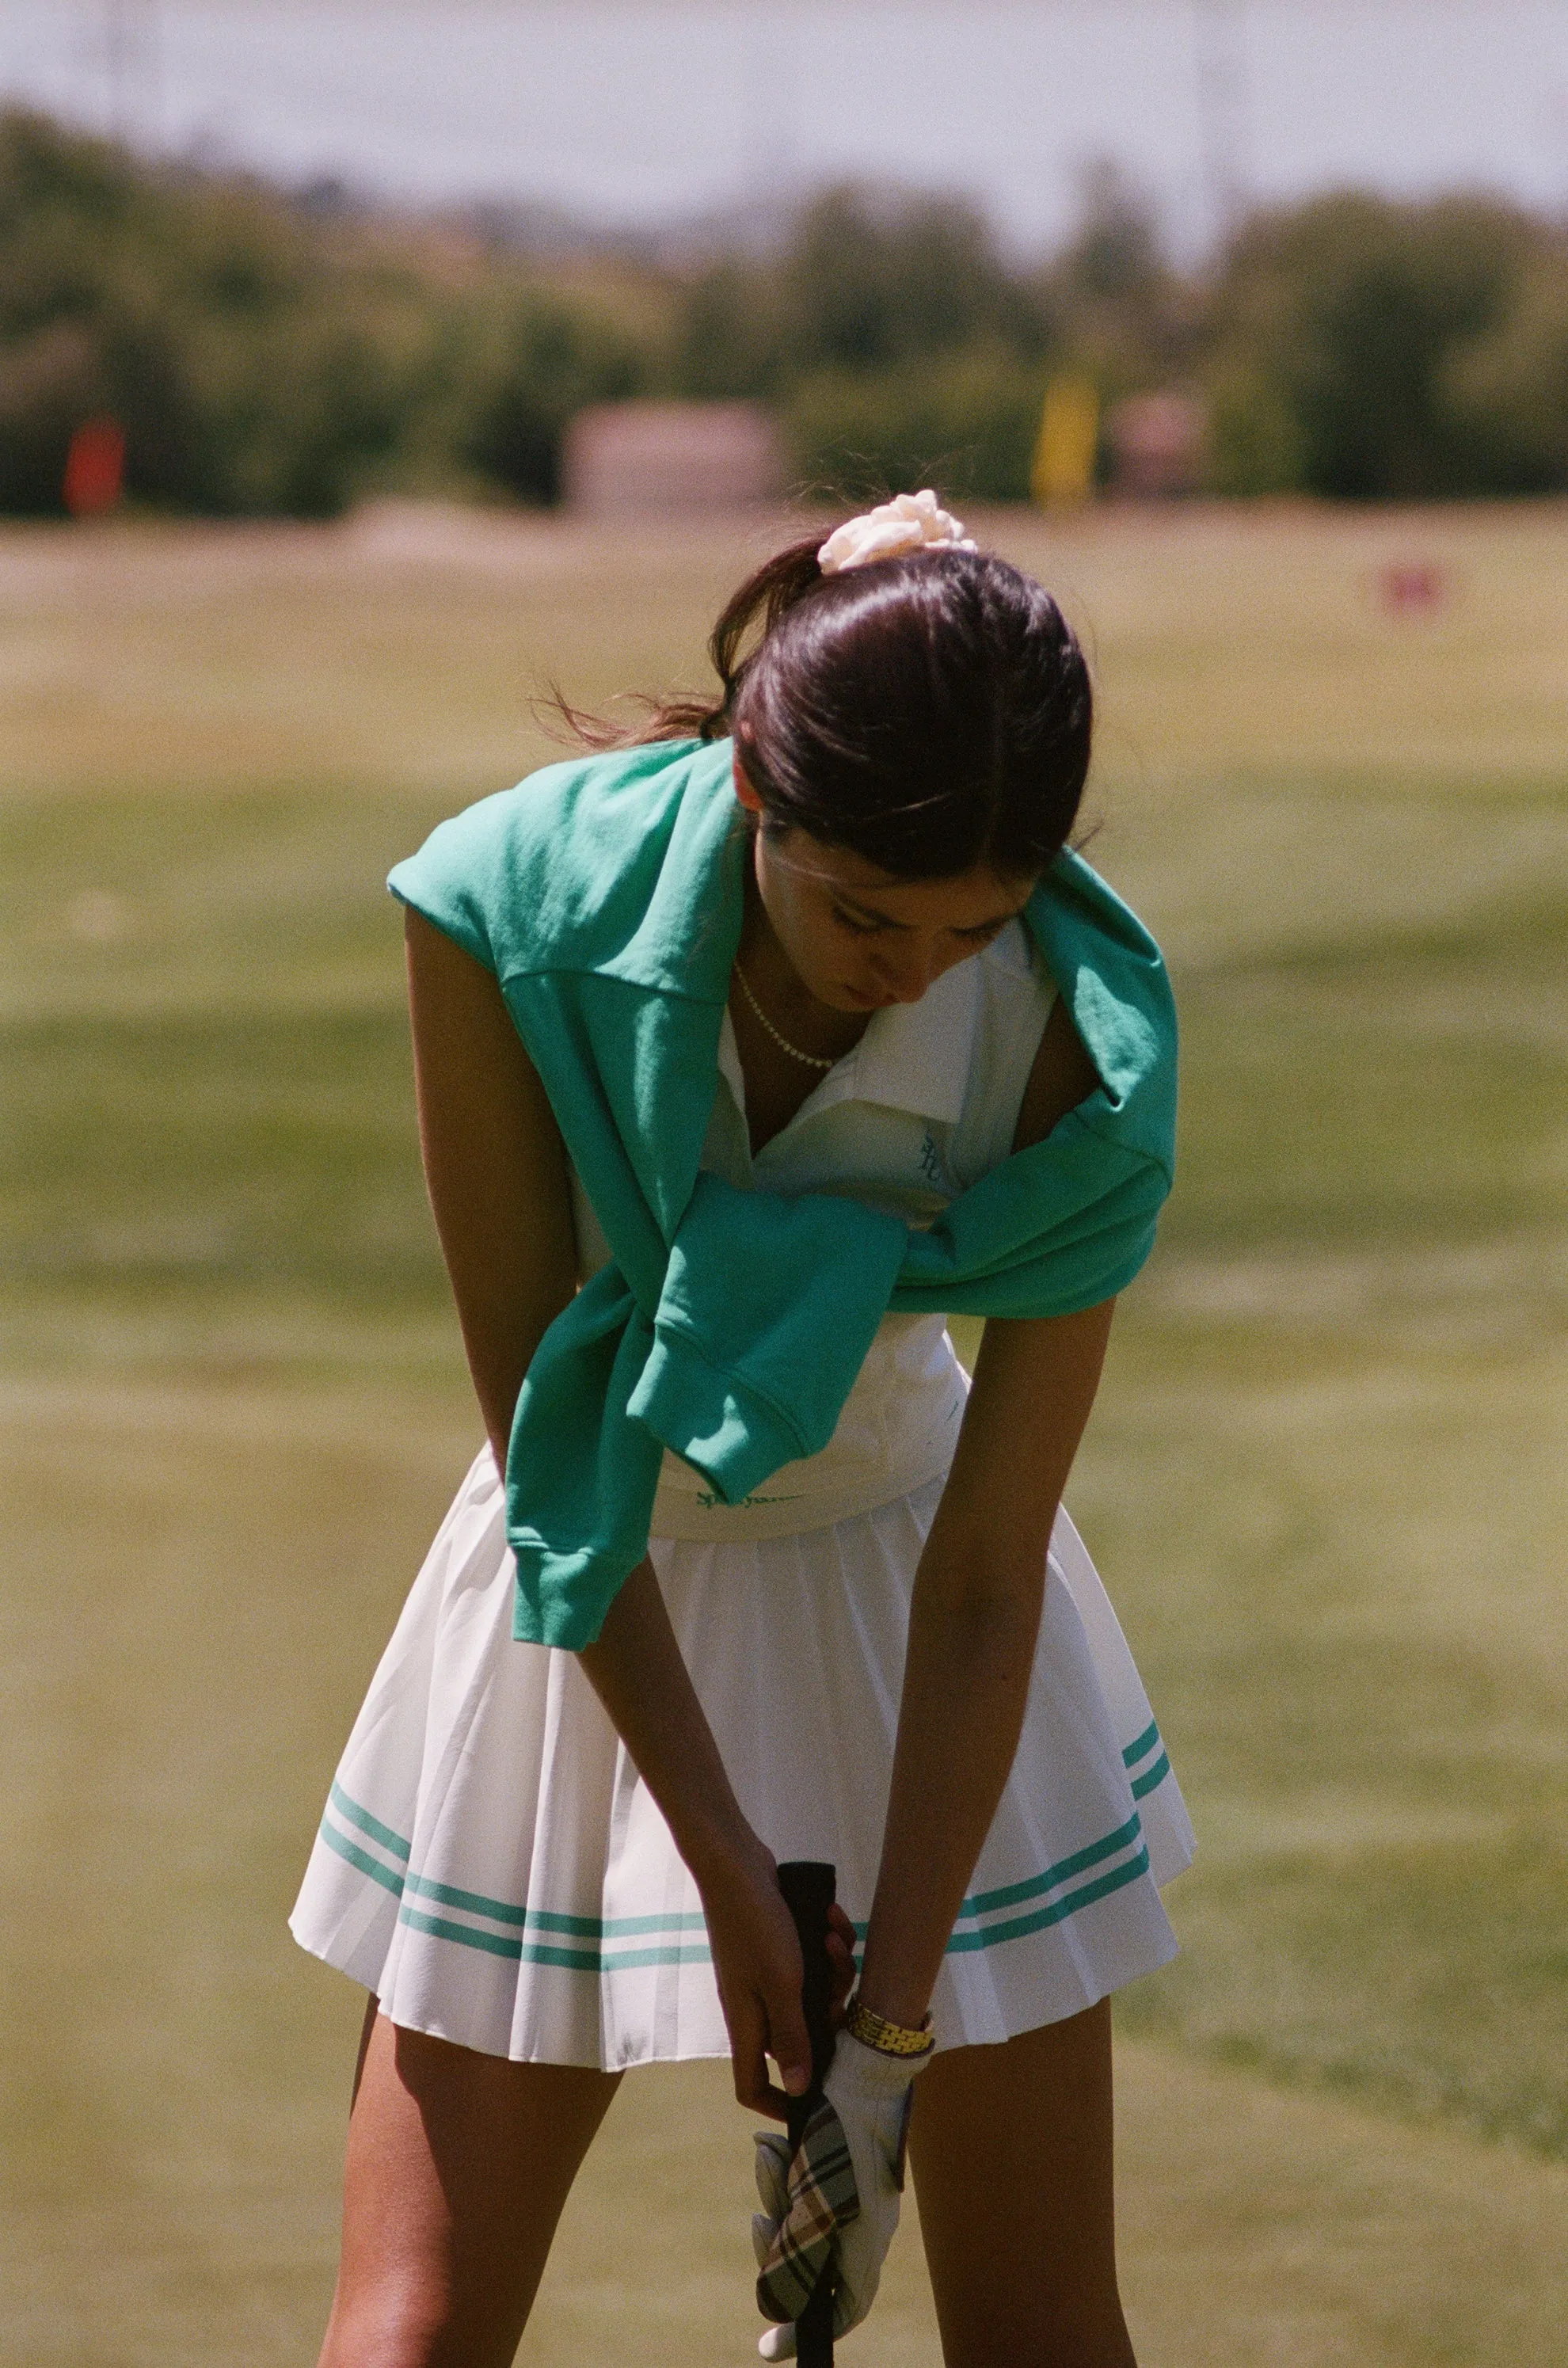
809, 1887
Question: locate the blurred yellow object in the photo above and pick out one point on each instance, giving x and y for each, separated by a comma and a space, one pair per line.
1068, 443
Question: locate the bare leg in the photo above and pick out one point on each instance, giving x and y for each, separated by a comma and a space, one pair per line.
372, 2009
458, 2165
1011, 2150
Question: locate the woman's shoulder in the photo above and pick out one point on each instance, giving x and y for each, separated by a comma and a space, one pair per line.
524, 877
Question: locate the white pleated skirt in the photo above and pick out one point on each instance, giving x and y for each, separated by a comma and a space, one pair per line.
491, 1865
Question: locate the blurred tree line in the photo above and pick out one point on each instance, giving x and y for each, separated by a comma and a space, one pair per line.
268, 355
271, 357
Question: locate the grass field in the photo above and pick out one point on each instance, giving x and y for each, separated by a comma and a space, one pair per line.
1326, 1481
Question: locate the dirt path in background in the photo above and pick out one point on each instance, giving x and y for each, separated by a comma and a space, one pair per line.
401, 647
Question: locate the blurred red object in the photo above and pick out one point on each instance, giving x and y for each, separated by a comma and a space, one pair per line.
1413, 587
95, 468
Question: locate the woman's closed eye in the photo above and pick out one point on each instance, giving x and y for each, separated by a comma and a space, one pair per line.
859, 925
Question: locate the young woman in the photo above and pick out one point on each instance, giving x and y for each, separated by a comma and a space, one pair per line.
743, 1054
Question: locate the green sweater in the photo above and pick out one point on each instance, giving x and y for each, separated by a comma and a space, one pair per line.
606, 896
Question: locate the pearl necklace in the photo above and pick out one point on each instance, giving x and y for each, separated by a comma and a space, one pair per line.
811, 1060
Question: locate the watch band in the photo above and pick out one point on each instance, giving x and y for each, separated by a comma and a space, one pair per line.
874, 2030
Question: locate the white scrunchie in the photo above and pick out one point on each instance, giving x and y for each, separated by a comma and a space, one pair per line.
909, 522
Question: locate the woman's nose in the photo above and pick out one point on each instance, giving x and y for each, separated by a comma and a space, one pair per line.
907, 972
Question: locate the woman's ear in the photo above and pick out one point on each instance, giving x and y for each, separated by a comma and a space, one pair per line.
744, 792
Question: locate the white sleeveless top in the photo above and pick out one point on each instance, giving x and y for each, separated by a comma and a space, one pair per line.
925, 1105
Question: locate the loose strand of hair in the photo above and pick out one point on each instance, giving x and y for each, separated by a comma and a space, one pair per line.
768, 594
684, 715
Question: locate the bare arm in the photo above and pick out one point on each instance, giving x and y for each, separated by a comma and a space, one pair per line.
495, 1167
975, 1615
496, 1170
638, 1672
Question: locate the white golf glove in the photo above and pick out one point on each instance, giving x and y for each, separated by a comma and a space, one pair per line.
818, 2206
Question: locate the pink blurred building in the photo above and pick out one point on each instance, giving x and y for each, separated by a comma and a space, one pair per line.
622, 460
1156, 444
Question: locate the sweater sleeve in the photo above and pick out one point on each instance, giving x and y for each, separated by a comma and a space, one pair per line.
555, 873
461, 879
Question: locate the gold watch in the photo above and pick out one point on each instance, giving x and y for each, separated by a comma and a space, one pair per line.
874, 2030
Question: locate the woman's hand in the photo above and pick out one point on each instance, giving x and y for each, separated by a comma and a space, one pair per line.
635, 1667
756, 1960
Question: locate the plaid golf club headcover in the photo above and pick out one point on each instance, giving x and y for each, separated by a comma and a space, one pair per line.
807, 2198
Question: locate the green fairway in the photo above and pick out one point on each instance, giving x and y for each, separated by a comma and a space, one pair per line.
1326, 1481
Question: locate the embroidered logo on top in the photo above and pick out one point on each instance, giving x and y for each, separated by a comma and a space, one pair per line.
710, 1497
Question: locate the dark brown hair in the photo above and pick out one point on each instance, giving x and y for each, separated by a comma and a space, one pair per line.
931, 712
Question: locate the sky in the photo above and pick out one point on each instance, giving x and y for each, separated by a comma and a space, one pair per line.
640, 112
